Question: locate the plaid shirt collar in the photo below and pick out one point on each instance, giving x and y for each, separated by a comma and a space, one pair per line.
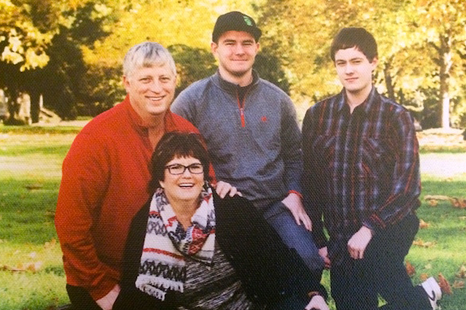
365, 107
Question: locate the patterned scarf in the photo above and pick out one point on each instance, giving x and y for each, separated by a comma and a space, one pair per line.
163, 265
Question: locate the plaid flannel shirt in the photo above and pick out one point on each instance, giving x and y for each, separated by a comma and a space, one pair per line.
360, 168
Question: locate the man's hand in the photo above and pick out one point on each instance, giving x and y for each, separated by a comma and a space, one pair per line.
295, 205
224, 188
358, 242
323, 252
317, 302
106, 302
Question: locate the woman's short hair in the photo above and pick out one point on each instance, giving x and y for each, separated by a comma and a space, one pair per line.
359, 38
147, 54
177, 144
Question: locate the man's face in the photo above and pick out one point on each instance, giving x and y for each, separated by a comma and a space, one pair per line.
151, 90
235, 51
354, 70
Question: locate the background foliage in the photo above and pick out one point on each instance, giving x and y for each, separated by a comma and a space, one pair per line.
71, 51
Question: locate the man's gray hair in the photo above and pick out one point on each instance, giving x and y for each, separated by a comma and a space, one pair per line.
147, 54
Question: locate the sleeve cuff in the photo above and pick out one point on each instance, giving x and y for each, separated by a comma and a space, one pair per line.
296, 192
374, 223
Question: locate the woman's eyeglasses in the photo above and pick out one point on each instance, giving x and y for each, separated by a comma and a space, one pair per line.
177, 169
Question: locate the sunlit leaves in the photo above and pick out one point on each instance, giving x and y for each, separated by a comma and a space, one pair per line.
28, 27
442, 24
301, 33
21, 42
410, 34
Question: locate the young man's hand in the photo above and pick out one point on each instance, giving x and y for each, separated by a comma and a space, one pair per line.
358, 242
317, 302
323, 252
294, 203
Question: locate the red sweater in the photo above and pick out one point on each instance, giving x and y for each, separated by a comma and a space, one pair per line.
104, 184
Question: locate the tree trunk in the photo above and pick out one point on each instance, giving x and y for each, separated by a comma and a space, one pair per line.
35, 106
389, 81
13, 107
445, 67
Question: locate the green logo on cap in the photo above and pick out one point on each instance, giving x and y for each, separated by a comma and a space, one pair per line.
247, 20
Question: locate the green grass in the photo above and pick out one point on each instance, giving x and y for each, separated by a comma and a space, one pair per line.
446, 232
30, 172
30, 164
39, 129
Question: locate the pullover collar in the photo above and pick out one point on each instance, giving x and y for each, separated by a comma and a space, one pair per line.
231, 87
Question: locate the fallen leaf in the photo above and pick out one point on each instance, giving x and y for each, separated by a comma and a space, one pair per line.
454, 202
423, 277
34, 186
436, 197
462, 272
50, 244
410, 269
50, 214
34, 267
423, 224
424, 244
458, 284
444, 284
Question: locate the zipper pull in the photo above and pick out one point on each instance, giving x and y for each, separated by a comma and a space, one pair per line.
243, 122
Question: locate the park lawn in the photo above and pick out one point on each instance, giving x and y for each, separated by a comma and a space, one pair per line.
441, 246
31, 272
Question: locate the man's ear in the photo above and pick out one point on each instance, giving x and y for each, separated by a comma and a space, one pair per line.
125, 83
374, 63
213, 48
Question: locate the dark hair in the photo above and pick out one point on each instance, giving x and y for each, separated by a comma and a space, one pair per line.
354, 37
177, 144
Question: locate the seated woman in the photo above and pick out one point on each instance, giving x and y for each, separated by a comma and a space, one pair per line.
190, 249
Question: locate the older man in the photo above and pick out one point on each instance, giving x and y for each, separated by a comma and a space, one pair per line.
106, 174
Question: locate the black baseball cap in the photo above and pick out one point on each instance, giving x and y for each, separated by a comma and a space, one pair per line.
235, 21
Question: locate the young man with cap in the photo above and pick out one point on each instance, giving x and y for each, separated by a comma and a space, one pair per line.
361, 172
252, 134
